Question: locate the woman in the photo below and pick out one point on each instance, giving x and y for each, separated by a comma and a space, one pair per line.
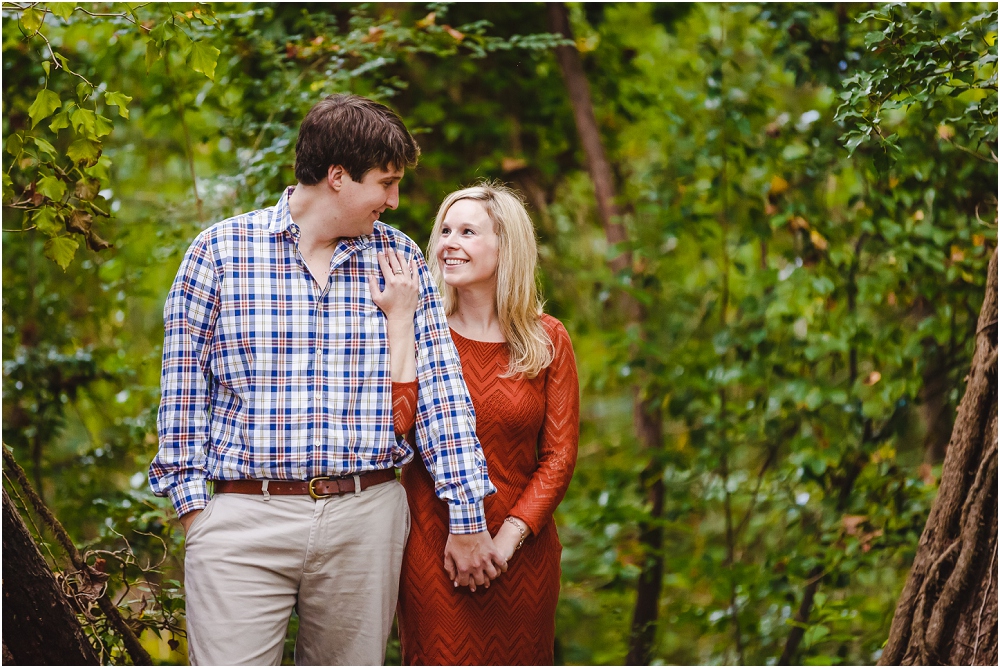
519, 367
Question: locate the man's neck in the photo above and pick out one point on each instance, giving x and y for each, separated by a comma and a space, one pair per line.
315, 212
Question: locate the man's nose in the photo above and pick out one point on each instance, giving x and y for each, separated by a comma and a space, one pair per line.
392, 201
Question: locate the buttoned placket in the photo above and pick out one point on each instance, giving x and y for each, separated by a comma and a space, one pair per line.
317, 295
341, 254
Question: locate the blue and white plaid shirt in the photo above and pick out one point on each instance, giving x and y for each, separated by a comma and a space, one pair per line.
268, 375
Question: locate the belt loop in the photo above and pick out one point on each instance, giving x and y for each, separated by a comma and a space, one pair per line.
357, 485
263, 489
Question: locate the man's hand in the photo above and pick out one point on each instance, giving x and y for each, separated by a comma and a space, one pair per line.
473, 559
188, 518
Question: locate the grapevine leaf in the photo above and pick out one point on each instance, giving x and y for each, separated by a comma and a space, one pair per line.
103, 125
204, 58
32, 20
52, 187
60, 121
62, 9
46, 220
14, 144
45, 103
86, 151
119, 100
61, 250
45, 147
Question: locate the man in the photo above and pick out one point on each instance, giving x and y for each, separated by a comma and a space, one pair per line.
276, 385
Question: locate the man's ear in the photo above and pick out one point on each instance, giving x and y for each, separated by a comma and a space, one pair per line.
335, 177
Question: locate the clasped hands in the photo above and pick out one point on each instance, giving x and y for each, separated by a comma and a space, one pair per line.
474, 560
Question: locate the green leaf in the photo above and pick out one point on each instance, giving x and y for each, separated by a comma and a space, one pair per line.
15, 144
45, 103
119, 100
45, 147
47, 66
52, 187
8, 190
873, 38
103, 125
62, 9
86, 151
84, 91
204, 58
61, 250
84, 122
32, 20
60, 121
152, 53
47, 221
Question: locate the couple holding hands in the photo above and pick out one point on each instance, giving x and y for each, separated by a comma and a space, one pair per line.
309, 352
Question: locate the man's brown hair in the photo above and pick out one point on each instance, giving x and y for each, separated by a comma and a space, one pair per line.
354, 132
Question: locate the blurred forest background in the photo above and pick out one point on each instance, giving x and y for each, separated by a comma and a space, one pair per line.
772, 297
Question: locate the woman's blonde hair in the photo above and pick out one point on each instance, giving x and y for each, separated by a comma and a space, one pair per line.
518, 299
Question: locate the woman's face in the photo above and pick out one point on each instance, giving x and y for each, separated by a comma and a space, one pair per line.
468, 248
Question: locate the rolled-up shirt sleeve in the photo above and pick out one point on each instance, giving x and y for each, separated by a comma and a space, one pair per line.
189, 315
446, 419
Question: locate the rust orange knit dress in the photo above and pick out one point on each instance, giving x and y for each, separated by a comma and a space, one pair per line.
529, 431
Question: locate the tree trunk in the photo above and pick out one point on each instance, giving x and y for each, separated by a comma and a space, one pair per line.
586, 127
39, 626
647, 419
947, 613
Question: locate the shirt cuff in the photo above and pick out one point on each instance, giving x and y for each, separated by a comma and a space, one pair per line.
188, 496
467, 518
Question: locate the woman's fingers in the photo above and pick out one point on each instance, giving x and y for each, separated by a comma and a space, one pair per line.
385, 265
394, 263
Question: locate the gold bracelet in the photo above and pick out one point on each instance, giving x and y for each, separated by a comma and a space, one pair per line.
519, 530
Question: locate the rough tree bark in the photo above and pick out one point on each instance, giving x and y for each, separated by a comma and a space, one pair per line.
39, 625
647, 419
947, 613
90, 576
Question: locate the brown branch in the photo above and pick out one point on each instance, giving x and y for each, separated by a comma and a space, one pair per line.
590, 135
801, 617
135, 650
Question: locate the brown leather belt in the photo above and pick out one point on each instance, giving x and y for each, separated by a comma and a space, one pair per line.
318, 488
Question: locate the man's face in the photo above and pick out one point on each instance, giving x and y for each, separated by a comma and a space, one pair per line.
364, 201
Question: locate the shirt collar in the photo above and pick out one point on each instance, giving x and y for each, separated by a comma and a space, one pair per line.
282, 222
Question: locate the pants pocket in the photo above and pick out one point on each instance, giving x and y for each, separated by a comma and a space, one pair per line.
200, 521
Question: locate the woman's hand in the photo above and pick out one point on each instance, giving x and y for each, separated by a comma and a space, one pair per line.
399, 303
402, 287
508, 537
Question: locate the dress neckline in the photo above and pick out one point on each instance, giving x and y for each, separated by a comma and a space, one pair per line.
483, 343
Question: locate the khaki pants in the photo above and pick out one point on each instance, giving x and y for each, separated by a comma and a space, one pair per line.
248, 562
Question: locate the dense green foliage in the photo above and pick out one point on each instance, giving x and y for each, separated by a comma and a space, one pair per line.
804, 187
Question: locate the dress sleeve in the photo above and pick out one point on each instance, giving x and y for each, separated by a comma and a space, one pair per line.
558, 439
404, 407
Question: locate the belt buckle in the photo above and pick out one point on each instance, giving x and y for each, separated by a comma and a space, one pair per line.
312, 491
